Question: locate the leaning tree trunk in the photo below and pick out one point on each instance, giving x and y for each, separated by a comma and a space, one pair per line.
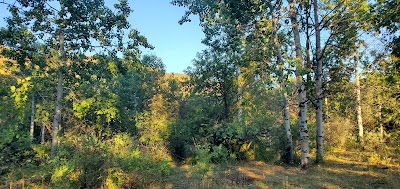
302, 93
285, 104
318, 86
358, 92
32, 125
57, 114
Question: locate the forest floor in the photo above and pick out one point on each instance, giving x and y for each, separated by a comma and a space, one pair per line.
340, 169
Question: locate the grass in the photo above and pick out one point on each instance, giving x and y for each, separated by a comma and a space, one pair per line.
340, 169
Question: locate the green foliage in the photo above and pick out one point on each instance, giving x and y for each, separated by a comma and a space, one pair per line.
15, 154
152, 128
202, 161
386, 19
224, 141
86, 161
337, 132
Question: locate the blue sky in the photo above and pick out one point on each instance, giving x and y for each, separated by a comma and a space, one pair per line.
175, 44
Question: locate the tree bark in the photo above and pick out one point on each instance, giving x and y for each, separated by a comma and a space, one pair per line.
42, 133
302, 93
57, 113
380, 122
286, 124
358, 93
318, 86
57, 117
32, 125
240, 95
285, 104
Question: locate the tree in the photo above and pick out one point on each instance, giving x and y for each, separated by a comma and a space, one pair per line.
213, 75
386, 22
70, 28
280, 63
341, 22
24, 65
243, 27
301, 90
358, 95
318, 85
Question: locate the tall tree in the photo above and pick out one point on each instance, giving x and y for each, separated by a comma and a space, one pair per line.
301, 89
280, 63
358, 96
340, 21
318, 85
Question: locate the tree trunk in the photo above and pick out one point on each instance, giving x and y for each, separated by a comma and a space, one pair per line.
308, 41
318, 86
285, 112
358, 92
57, 117
240, 95
302, 93
57, 113
42, 133
225, 98
32, 125
286, 124
380, 122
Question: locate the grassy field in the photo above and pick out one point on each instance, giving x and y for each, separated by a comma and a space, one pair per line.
340, 169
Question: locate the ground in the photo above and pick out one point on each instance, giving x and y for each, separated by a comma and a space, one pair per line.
340, 169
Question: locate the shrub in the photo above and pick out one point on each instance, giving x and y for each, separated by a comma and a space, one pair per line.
337, 133
88, 162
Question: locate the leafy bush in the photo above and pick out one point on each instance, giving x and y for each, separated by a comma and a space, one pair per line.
255, 137
92, 161
14, 155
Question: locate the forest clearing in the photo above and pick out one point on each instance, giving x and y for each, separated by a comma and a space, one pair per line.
284, 94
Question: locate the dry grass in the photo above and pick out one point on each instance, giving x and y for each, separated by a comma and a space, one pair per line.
340, 169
